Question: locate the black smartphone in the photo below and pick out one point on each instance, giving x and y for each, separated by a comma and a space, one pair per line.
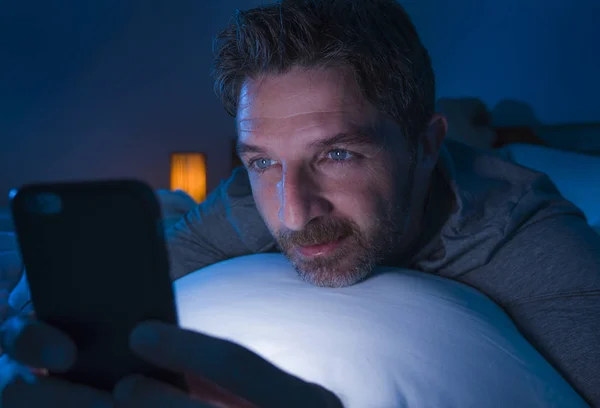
97, 265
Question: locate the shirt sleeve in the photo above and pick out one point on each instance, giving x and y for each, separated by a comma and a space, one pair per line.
547, 278
226, 225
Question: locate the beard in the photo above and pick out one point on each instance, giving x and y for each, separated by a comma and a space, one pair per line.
357, 254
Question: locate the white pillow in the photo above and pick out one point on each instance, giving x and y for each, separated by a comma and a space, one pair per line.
576, 175
398, 339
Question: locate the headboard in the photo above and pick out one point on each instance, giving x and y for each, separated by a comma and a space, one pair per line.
575, 137
516, 134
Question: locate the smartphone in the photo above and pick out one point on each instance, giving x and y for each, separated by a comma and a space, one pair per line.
97, 265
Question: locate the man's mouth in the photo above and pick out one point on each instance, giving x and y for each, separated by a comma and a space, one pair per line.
310, 251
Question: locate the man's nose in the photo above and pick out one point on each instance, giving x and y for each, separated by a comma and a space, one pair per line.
300, 200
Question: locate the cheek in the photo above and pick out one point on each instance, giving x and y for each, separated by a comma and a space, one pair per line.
373, 175
359, 195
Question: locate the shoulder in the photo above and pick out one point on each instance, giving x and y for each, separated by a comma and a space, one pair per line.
494, 200
492, 190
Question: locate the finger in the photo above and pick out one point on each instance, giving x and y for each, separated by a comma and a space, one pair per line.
50, 392
209, 392
36, 344
137, 391
227, 364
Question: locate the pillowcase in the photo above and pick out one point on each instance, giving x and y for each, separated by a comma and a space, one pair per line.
576, 175
399, 339
6, 223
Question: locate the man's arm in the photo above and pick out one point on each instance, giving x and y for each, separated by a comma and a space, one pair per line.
225, 226
547, 278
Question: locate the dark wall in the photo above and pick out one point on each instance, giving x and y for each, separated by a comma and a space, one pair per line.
94, 89
543, 54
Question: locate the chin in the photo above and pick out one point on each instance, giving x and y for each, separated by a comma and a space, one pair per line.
333, 272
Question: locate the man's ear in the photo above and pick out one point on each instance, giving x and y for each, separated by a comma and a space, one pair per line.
432, 140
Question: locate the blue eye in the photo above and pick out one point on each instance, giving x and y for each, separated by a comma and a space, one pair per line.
339, 155
262, 164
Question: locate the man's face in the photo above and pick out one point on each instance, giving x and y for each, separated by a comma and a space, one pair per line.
329, 174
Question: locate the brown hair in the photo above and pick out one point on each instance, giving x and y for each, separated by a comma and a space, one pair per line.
375, 39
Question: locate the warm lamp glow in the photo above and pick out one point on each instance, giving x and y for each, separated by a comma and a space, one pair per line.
188, 173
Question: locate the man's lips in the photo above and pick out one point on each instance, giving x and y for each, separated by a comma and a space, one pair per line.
310, 251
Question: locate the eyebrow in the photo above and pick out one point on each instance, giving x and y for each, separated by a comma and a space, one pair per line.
359, 137
354, 138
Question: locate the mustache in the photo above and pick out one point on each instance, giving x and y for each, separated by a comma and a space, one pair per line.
318, 232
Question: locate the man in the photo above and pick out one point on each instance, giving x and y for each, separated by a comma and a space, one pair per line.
346, 169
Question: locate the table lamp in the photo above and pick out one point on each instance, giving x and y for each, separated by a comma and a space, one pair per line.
188, 173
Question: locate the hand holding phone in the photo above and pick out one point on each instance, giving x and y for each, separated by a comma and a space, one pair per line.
97, 268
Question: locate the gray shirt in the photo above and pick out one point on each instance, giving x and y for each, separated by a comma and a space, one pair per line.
505, 230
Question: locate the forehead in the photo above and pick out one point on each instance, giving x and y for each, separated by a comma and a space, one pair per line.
301, 101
